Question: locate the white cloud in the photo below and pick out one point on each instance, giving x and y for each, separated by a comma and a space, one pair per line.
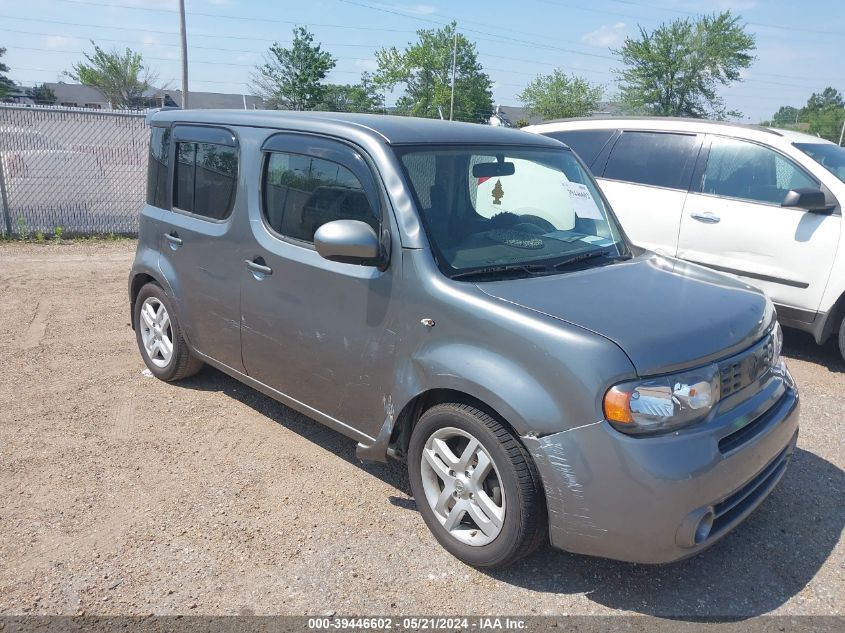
422, 9
369, 65
418, 9
153, 4
59, 42
721, 5
607, 35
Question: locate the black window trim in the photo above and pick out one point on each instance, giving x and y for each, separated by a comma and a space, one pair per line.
703, 159
689, 169
612, 134
202, 133
371, 184
168, 178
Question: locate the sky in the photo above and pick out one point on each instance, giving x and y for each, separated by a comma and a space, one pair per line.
800, 45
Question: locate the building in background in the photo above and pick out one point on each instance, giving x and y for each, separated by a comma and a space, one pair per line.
72, 95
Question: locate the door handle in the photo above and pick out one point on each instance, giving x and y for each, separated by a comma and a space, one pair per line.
173, 238
257, 266
706, 217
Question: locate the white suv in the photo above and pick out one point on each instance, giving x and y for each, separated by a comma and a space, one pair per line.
763, 204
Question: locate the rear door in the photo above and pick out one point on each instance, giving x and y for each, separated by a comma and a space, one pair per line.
646, 178
733, 221
200, 255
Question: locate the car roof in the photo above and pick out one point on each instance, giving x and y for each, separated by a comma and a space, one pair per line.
395, 130
794, 136
677, 124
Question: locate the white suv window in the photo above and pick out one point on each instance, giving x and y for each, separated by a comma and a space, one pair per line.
739, 169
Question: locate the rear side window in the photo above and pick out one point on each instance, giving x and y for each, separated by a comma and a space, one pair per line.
205, 179
652, 158
738, 169
157, 167
586, 143
301, 193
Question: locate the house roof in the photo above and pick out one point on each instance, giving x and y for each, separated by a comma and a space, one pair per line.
510, 115
212, 100
76, 93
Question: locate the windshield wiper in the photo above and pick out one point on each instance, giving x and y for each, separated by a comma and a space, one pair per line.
526, 269
604, 252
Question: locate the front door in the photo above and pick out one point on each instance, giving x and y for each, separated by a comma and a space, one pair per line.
315, 330
733, 221
200, 252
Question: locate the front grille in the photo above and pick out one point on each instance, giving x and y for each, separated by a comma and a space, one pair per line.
727, 511
737, 372
749, 431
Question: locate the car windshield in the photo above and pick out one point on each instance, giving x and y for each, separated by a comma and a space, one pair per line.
509, 208
829, 156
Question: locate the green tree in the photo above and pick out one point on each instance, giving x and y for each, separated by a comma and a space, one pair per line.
6, 84
786, 115
828, 98
825, 112
360, 97
558, 96
41, 95
677, 69
291, 78
424, 69
121, 77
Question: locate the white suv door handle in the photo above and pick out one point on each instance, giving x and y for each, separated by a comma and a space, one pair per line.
706, 217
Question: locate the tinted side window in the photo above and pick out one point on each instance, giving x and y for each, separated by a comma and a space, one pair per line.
157, 167
738, 169
652, 158
205, 178
586, 143
301, 193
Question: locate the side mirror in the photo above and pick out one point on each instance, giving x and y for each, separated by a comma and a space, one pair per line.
807, 198
348, 241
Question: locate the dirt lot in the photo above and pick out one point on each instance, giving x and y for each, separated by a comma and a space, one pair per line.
122, 494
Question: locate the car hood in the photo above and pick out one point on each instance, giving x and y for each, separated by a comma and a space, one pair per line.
665, 314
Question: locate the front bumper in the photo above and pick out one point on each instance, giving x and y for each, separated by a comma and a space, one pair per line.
649, 500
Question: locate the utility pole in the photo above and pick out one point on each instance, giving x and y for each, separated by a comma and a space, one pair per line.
184, 38
454, 60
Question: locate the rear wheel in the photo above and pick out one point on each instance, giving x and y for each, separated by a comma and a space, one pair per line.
159, 336
475, 486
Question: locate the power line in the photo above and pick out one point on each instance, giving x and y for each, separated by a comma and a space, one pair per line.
161, 32
761, 24
522, 43
768, 25
229, 16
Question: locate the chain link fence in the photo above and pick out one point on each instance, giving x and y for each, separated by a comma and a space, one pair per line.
81, 170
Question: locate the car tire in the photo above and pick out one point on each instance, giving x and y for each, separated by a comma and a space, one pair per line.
506, 491
842, 338
159, 336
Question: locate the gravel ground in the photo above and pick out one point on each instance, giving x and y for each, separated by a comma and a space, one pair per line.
120, 494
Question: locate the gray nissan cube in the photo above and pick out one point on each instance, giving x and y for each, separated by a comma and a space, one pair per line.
461, 298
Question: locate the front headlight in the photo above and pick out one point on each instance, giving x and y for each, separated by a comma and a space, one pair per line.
657, 405
777, 345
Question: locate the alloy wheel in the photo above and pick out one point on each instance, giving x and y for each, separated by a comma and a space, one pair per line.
156, 332
462, 486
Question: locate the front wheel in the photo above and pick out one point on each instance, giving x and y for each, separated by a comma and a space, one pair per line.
475, 486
